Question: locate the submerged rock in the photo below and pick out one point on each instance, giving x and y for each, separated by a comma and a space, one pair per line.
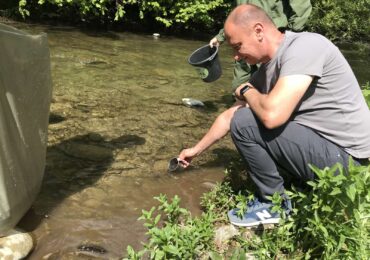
87, 151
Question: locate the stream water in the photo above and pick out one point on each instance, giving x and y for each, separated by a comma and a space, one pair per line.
117, 117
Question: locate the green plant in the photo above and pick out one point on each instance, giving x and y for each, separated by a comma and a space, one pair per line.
167, 13
219, 200
366, 93
333, 218
341, 20
179, 236
329, 222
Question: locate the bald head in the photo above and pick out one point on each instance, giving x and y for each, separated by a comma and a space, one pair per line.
252, 34
248, 14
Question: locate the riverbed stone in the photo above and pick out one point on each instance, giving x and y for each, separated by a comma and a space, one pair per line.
87, 151
123, 165
209, 185
160, 166
94, 193
95, 137
92, 203
223, 234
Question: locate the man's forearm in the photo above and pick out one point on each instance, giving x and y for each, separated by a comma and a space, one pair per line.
219, 129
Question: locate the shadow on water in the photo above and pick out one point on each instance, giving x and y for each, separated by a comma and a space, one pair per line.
55, 118
222, 157
72, 166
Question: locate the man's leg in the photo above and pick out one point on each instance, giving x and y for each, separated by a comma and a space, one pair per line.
292, 147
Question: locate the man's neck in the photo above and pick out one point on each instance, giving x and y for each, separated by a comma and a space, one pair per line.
274, 41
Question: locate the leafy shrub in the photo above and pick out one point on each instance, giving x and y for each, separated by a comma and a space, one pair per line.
366, 93
179, 237
341, 20
165, 12
332, 220
329, 221
337, 19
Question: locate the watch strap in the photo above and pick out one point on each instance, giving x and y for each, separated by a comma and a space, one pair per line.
243, 90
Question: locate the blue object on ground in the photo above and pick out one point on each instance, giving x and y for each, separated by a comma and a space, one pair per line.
258, 213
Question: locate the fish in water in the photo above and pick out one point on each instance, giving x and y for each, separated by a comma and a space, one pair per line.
190, 102
92, 249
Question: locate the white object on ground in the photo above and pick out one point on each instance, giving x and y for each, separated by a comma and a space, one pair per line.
190, 102
15, 245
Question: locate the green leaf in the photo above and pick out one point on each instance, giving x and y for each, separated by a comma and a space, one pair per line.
326, 209
335, 191
159, 255
312, 183
215, 256
171, 249
157, 218
351, 192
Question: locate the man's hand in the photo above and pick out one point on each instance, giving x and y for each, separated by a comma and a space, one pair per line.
186, 156
214, 42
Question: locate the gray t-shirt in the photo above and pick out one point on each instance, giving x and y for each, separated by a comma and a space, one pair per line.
333, 105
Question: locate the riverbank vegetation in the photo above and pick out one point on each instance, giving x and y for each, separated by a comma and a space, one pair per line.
330, 220
339, 20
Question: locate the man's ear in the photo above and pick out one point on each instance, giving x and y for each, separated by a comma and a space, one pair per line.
258, 31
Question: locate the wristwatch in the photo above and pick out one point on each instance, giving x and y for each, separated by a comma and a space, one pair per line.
243, 90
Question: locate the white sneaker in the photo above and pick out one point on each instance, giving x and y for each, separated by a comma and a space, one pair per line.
15, 244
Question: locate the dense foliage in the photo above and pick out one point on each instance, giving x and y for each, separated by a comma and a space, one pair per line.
337, 19
341, 19
164, 14
366, 92
330, 221
180, 237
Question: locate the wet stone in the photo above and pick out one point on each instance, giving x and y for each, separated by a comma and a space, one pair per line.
95, 193
163, 81
92, 203
209, 185
87, 152
95, 137
160, 166
55, 118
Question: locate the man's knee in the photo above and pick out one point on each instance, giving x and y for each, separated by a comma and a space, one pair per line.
242, 120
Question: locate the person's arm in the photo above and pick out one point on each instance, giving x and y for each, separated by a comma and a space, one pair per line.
276, 107
219, 129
